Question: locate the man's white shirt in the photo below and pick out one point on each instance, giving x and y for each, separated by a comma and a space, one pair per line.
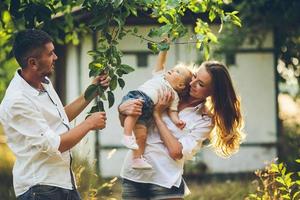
33, 122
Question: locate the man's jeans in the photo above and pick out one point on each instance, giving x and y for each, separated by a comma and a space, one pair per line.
46, 192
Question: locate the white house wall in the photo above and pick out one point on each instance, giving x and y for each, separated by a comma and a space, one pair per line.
77, 81
254, 77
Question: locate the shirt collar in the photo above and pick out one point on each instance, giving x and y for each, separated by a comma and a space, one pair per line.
199, 106
28, 88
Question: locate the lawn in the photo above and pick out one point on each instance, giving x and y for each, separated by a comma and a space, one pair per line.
204, 190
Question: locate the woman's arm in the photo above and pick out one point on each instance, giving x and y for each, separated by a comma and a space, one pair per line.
173, 145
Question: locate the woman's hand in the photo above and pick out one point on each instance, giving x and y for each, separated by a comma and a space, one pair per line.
131, 107
165, 97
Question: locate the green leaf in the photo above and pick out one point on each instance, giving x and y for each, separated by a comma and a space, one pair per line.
117, 3
283, 171
234, 12
98, 22
197, 7
92, 53
296, 194
274, 168
153, 47
94, 109
280, 166
6, 17
198, 45
113, 83
90, 92
283, 189
236, 22
158, 32
298, 160
212, 15
169, 17
280, 180
212, 37
206, 52
111, 98
119, 22
286, 196
120, 72
126, 68
121, 82
163, 46
94, 72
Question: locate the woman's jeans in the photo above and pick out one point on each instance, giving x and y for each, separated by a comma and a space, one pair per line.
46, 192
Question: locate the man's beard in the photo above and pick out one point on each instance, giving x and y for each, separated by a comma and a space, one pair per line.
47, 74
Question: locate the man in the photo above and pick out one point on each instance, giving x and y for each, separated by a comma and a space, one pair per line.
37, 125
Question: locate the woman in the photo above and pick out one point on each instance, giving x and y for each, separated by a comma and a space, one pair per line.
167, 146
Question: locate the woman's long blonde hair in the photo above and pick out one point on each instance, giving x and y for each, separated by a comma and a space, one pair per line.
227, 134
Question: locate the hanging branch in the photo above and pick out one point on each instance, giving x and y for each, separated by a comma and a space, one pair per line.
106, 56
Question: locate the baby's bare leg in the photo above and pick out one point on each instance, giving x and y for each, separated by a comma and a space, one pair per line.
129, 124
140, 132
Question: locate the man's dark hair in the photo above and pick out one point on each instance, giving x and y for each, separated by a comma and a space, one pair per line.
29, 43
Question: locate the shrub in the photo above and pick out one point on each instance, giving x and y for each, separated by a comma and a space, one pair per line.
277, 183
91, 186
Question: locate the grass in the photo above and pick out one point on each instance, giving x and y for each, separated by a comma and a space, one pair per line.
220, 190
205, 190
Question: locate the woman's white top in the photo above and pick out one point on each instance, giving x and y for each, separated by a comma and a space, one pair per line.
167, 172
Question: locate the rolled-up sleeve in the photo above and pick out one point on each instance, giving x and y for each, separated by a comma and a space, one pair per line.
29, 122
192, 140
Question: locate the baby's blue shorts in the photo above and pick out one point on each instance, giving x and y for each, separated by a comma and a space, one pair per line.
147, 110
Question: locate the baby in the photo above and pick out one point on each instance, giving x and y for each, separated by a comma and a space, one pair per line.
176, 80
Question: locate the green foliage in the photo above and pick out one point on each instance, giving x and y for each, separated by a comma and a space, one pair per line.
62, 20
7, 160
277, 183
262, 16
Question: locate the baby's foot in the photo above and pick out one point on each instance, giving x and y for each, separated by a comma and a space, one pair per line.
141, 163
130, 142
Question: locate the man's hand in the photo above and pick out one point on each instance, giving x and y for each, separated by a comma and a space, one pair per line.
102, 79
97, 120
